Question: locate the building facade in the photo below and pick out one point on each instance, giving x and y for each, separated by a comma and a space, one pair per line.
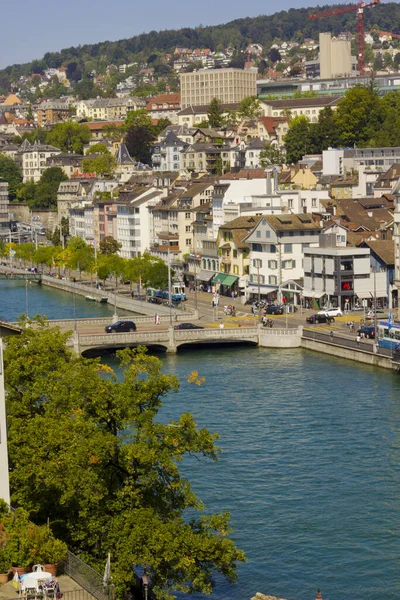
228, 85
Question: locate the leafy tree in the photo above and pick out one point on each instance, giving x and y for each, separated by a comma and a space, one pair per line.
109, 245
138, 118
105, 474
139, 140
98, 149
271, 155
326, 132
274, 55
102, 164
358, 115
156, 274
9, 172
69, 136
161, 125
76, 243
297, 138
250, 107
215, 114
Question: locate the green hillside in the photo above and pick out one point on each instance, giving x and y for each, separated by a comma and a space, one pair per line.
285, 25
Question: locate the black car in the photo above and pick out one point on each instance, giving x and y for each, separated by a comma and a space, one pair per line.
274, 310
319, 318
120, 327
367, 331
154, 300
188, 326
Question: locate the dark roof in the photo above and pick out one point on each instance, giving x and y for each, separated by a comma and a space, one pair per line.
304, 102
246, 223
293, 222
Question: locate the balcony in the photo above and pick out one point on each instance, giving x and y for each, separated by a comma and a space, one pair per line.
226, 260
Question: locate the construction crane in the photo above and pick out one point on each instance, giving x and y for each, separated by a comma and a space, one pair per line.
360, 25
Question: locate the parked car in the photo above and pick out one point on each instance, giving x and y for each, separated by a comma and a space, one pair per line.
274, 310
332, 312
120, 327
367, 331
188, 326
319, 318
154, 300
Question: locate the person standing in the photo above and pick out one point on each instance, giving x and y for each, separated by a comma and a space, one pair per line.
358, 340
157, 319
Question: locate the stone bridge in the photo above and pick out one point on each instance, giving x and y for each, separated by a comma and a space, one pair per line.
171, 340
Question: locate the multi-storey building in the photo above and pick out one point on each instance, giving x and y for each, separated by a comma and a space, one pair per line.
396, 238
228, 85
49, 113
277, 251
308, 107
135, 229
67, 193
164, 106
103, 109
167, 154
32, 159
4, 215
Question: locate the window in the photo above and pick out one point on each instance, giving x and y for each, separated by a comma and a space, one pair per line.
272, 280
257, 248
235, 254
272, 249
288, 248
188, 242
187, 215
257, 263
272, 264
290, 203
258, 234
187, 228
313, 202
267, 234
235, 270
289, 264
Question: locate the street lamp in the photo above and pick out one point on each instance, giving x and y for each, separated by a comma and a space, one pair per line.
258, 265
146, 583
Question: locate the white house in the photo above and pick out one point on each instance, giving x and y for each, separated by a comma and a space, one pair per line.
135, 229
277, 247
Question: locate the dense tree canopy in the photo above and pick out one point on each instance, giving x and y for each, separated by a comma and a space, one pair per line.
69, 136
105, 470
9, 172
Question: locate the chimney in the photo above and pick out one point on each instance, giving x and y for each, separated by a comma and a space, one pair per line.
268, 182
319, 595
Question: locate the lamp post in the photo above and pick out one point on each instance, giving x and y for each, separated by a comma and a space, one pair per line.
259, 289
145, 582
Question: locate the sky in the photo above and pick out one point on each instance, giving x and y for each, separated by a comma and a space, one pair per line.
30, 29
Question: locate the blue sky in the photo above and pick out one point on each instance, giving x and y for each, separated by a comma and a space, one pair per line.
30, 29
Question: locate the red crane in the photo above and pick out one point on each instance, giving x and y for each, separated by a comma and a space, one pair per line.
360, 24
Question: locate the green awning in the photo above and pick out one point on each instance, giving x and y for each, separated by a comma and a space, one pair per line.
219, 276
229, 280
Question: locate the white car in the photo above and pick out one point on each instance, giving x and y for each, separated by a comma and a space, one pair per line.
331, 312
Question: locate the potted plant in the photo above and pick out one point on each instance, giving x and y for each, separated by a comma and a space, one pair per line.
5, 564
46, 549
20, 533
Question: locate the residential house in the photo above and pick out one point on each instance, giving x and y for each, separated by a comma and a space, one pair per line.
234, 252
108, 109
167, 155
344, 185
382, 261
194, 114
294, 107
387, 181
67, 193
50, 113
32, 159
277, 251
135, 230
69, 162
164, 106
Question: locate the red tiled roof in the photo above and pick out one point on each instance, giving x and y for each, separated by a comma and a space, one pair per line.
271, 122
93, 126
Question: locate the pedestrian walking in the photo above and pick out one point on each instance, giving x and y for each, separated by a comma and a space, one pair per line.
233, 296
358, 340
157, 320
331, 335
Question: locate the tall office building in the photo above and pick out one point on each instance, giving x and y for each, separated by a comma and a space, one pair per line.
334, 56
228, 85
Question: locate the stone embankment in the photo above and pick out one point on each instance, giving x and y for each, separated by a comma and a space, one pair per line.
259, 596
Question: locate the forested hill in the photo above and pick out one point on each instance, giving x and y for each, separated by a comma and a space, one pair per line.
285, 25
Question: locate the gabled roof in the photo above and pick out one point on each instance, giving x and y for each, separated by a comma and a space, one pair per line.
246, 223
384, 249
290, 222
123, 156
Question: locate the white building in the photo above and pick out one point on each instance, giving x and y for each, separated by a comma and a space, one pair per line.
396, 238
32, 159
336, 161
135, 228
167, 155
341, 276
104, 109
277, 251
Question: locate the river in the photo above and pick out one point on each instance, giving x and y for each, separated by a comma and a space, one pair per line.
309, 469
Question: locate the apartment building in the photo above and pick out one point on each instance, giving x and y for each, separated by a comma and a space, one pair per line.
67, 193
167, 154
103, 109
32, 159
228, 85
4, 214
135, 228
277, 247
50, 113
308, 107
164, 106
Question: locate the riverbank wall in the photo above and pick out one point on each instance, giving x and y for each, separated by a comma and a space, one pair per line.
353, 354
